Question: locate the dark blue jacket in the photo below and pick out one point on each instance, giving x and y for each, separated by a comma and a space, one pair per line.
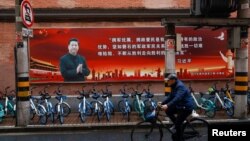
179, 97
68, 65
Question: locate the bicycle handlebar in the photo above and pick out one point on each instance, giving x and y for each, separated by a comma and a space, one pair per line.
6, 88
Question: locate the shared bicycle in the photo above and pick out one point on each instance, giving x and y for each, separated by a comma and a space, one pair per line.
108, 107
203, 104
62, 108
9, 107
124, 104
152, 128
36, 108
84, 107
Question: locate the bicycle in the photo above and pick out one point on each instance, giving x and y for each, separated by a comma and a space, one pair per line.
149, 102
124, 105
62, 108
204, 104
227, 91
9, 107
138, 103
50, 112
36, 108
152, 128
226, 103
84, 107
108, 107
1, 112
96, 104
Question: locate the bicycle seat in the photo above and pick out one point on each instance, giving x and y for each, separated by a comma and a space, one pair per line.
149, 95
61, 96
58, 93
10, 97
85, 95
136, 93
201, 94
95, 96
150, 116
125, 96
105, 95
45, 96
80, 97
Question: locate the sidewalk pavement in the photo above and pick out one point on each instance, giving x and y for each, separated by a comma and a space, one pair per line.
106, 125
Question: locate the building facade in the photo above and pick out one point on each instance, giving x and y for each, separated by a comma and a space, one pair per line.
7, 27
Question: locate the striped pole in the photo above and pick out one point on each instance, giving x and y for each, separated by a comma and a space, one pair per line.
170, 46
241, 76
22, 71
241, 64
23, 88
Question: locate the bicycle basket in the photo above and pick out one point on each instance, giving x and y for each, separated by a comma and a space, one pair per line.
211, 91
64, 97
150, 115
1, 113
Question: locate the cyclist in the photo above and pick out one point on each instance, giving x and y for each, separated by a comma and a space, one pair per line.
178, 105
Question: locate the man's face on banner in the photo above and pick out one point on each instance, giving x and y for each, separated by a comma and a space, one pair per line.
73, 47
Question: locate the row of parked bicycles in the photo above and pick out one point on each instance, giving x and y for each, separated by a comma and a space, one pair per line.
99, 108
143, 103
216, 100
105, 107
42, 107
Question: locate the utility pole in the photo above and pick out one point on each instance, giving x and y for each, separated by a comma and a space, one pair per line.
22, 71
170, 46
241, 64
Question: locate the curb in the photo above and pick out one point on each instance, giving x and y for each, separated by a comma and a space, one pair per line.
101, 126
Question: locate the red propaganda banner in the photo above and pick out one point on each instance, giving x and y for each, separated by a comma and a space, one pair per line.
128, 54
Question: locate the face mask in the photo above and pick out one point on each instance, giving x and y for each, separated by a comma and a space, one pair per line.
73, 47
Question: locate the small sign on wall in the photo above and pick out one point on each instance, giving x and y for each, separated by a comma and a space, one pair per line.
27, 13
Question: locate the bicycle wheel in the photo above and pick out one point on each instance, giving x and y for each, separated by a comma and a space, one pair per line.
148, 106
229, 107
136, 106
108, 110
108, 115
218, 106
42, 114
127, 115
146, 131
82, 117
66, 109
139, 108
122, 106
99, 109
210, 110
51, 115
111, 107
82, 112
124, 109
99, 114
195, 130
32, 113
61, 114
88, 111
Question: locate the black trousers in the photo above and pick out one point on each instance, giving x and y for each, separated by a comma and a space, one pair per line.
178, 116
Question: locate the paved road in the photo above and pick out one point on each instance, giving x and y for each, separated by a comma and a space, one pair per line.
90, 135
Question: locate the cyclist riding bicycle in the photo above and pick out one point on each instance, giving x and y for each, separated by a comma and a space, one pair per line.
179, 102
